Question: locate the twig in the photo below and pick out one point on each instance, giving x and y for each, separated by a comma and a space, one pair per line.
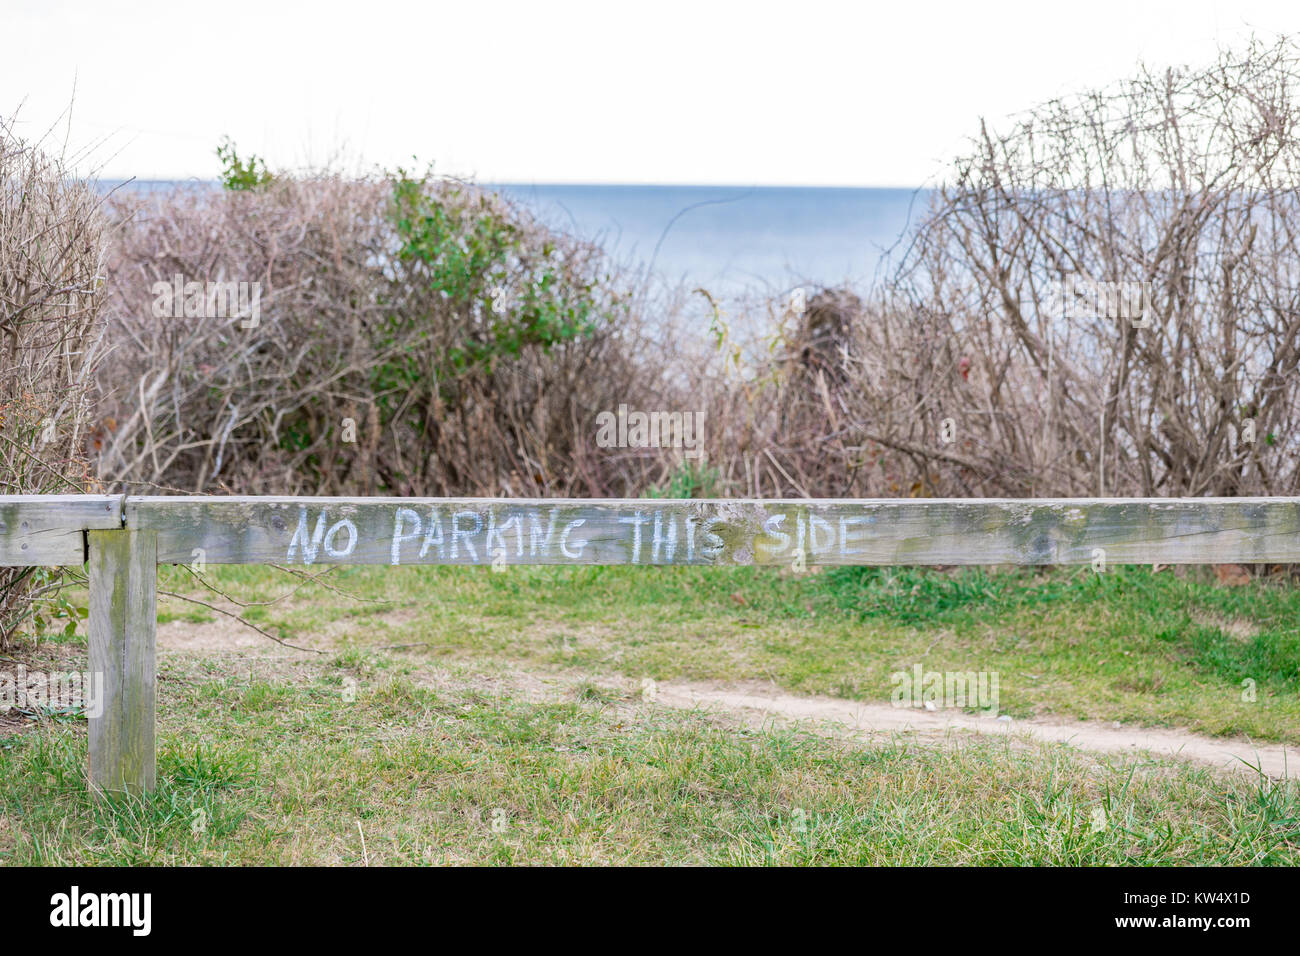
216, 590
337, 590
241, 620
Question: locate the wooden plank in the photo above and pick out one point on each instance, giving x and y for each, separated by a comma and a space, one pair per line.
46, 530
470, 531
123, 616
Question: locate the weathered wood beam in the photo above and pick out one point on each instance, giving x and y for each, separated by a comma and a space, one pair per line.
47, 530
475, 531
123, 616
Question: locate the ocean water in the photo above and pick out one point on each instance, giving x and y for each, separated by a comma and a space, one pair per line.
731, 240
735, 239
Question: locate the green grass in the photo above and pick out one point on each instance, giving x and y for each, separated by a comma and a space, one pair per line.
288, 771
443, 753
1128, 646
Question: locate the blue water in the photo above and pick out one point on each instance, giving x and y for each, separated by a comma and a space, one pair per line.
728, 239
732, 239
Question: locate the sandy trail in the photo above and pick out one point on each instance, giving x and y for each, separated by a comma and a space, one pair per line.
762, 703
755, 703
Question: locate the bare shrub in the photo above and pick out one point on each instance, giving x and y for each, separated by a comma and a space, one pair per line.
1170, 202
210, 401
415, 337
807, 418
52, 240
1179, 185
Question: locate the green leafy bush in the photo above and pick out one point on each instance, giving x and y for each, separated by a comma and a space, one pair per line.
478, 253
237, 174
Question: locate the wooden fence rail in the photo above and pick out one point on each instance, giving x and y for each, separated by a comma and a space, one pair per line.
124, 538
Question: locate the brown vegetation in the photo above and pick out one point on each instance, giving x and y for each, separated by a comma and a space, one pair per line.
363, 374
1181, 185
52, 245
426, 337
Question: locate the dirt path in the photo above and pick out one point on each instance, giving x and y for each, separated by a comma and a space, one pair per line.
756, 703
762, 703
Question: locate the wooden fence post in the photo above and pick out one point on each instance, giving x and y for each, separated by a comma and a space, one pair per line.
123, 622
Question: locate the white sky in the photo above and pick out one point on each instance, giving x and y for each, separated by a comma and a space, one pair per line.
799, 92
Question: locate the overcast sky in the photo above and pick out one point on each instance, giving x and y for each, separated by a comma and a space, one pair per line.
789, 93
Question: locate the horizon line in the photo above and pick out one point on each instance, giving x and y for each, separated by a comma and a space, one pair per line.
562, 182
